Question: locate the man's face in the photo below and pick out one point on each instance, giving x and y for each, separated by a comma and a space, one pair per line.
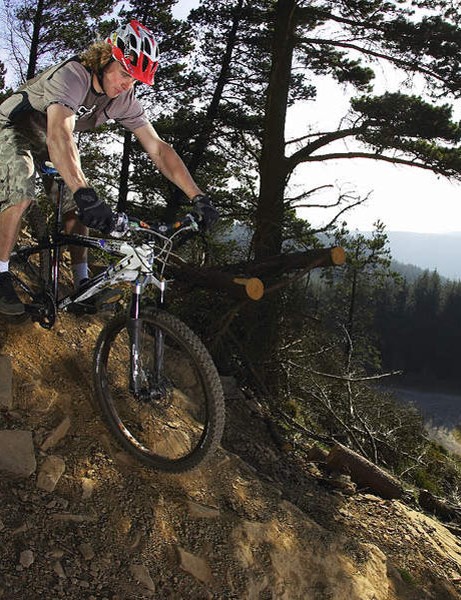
116, 80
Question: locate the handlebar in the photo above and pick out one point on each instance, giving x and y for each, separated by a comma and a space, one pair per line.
125, 224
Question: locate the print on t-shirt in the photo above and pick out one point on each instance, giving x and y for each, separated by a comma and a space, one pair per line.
84, 111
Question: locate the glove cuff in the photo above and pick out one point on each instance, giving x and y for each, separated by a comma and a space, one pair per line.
201, 198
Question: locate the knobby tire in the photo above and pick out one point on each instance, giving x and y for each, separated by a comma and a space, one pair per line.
183, 425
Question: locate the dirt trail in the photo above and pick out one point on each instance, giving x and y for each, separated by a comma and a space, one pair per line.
256, 522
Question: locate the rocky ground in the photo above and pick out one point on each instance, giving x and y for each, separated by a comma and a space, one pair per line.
258, 521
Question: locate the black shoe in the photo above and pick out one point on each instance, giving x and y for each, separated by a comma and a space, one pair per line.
10, 304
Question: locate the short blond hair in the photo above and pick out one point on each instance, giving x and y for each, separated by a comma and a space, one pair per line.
97, 56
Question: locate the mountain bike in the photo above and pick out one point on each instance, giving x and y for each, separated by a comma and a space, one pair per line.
155, 382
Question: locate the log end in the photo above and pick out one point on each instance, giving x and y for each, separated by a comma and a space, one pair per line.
254, 287
338, 256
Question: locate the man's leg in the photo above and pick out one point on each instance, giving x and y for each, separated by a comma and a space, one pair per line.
10, 223
78, 254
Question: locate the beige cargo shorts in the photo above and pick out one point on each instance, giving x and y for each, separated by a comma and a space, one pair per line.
18, 171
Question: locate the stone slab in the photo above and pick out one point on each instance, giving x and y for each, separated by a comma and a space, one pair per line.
17, 454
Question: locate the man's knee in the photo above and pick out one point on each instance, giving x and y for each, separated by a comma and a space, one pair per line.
18, 208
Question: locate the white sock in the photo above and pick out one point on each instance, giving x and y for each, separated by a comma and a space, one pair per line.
79, 271
4, 266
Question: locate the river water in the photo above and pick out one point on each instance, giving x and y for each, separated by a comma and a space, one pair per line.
441, 412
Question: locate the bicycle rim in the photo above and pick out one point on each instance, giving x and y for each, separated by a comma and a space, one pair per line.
176, 419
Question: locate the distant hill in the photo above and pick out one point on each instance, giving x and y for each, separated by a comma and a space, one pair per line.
433, 251
415, 252
408, 272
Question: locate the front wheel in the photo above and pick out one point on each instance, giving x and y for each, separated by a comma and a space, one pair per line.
176, 419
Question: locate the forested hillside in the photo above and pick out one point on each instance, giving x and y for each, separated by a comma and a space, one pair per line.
400, 317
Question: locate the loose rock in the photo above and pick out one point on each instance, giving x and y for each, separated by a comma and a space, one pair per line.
50, 473
57, 435
6, 391
87, 488
17, 456
26, 558
57, 568
195, 566
86, 551
141, 574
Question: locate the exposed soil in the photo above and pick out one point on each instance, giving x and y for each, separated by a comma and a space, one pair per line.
257, 521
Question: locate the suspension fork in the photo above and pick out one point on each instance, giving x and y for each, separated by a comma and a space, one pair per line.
135, 324
134, 327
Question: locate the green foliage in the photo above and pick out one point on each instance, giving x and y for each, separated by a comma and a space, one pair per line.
438, 473
433, 41
350, 292
396, 115
38, 41
406, 576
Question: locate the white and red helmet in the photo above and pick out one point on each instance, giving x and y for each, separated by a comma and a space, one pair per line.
134, 46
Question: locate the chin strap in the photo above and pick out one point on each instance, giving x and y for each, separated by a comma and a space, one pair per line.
100, 72
99, 78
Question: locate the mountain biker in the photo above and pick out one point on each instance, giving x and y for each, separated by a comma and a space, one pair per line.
37, 123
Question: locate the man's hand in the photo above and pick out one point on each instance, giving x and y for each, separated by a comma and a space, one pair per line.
205, 211
92, 211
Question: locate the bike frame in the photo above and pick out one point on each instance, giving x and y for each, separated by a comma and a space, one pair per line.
135, 264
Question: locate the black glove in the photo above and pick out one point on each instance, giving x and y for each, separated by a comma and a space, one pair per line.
205, 211
92, 211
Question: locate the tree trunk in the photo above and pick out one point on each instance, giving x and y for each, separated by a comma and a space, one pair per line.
270, 211
33, 54
267, 240
203, 139
124, 172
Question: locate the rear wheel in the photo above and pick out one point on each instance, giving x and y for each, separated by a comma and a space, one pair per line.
32, 269
175, 419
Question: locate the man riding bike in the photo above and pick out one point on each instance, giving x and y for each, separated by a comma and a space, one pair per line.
37, 123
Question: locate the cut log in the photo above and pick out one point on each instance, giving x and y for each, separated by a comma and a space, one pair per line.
243, 280
254, 287
284, 263
363, 472
240, 287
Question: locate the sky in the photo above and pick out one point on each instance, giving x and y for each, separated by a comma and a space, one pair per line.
403, 198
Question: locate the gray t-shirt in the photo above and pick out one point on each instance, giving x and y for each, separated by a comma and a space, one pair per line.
70, 84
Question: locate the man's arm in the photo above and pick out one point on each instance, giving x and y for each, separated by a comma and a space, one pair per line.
92, 211
62, 148
167, 160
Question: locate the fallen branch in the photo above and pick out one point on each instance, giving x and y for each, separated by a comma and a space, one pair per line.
239, 287
284, 263
243, 281
363, 472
